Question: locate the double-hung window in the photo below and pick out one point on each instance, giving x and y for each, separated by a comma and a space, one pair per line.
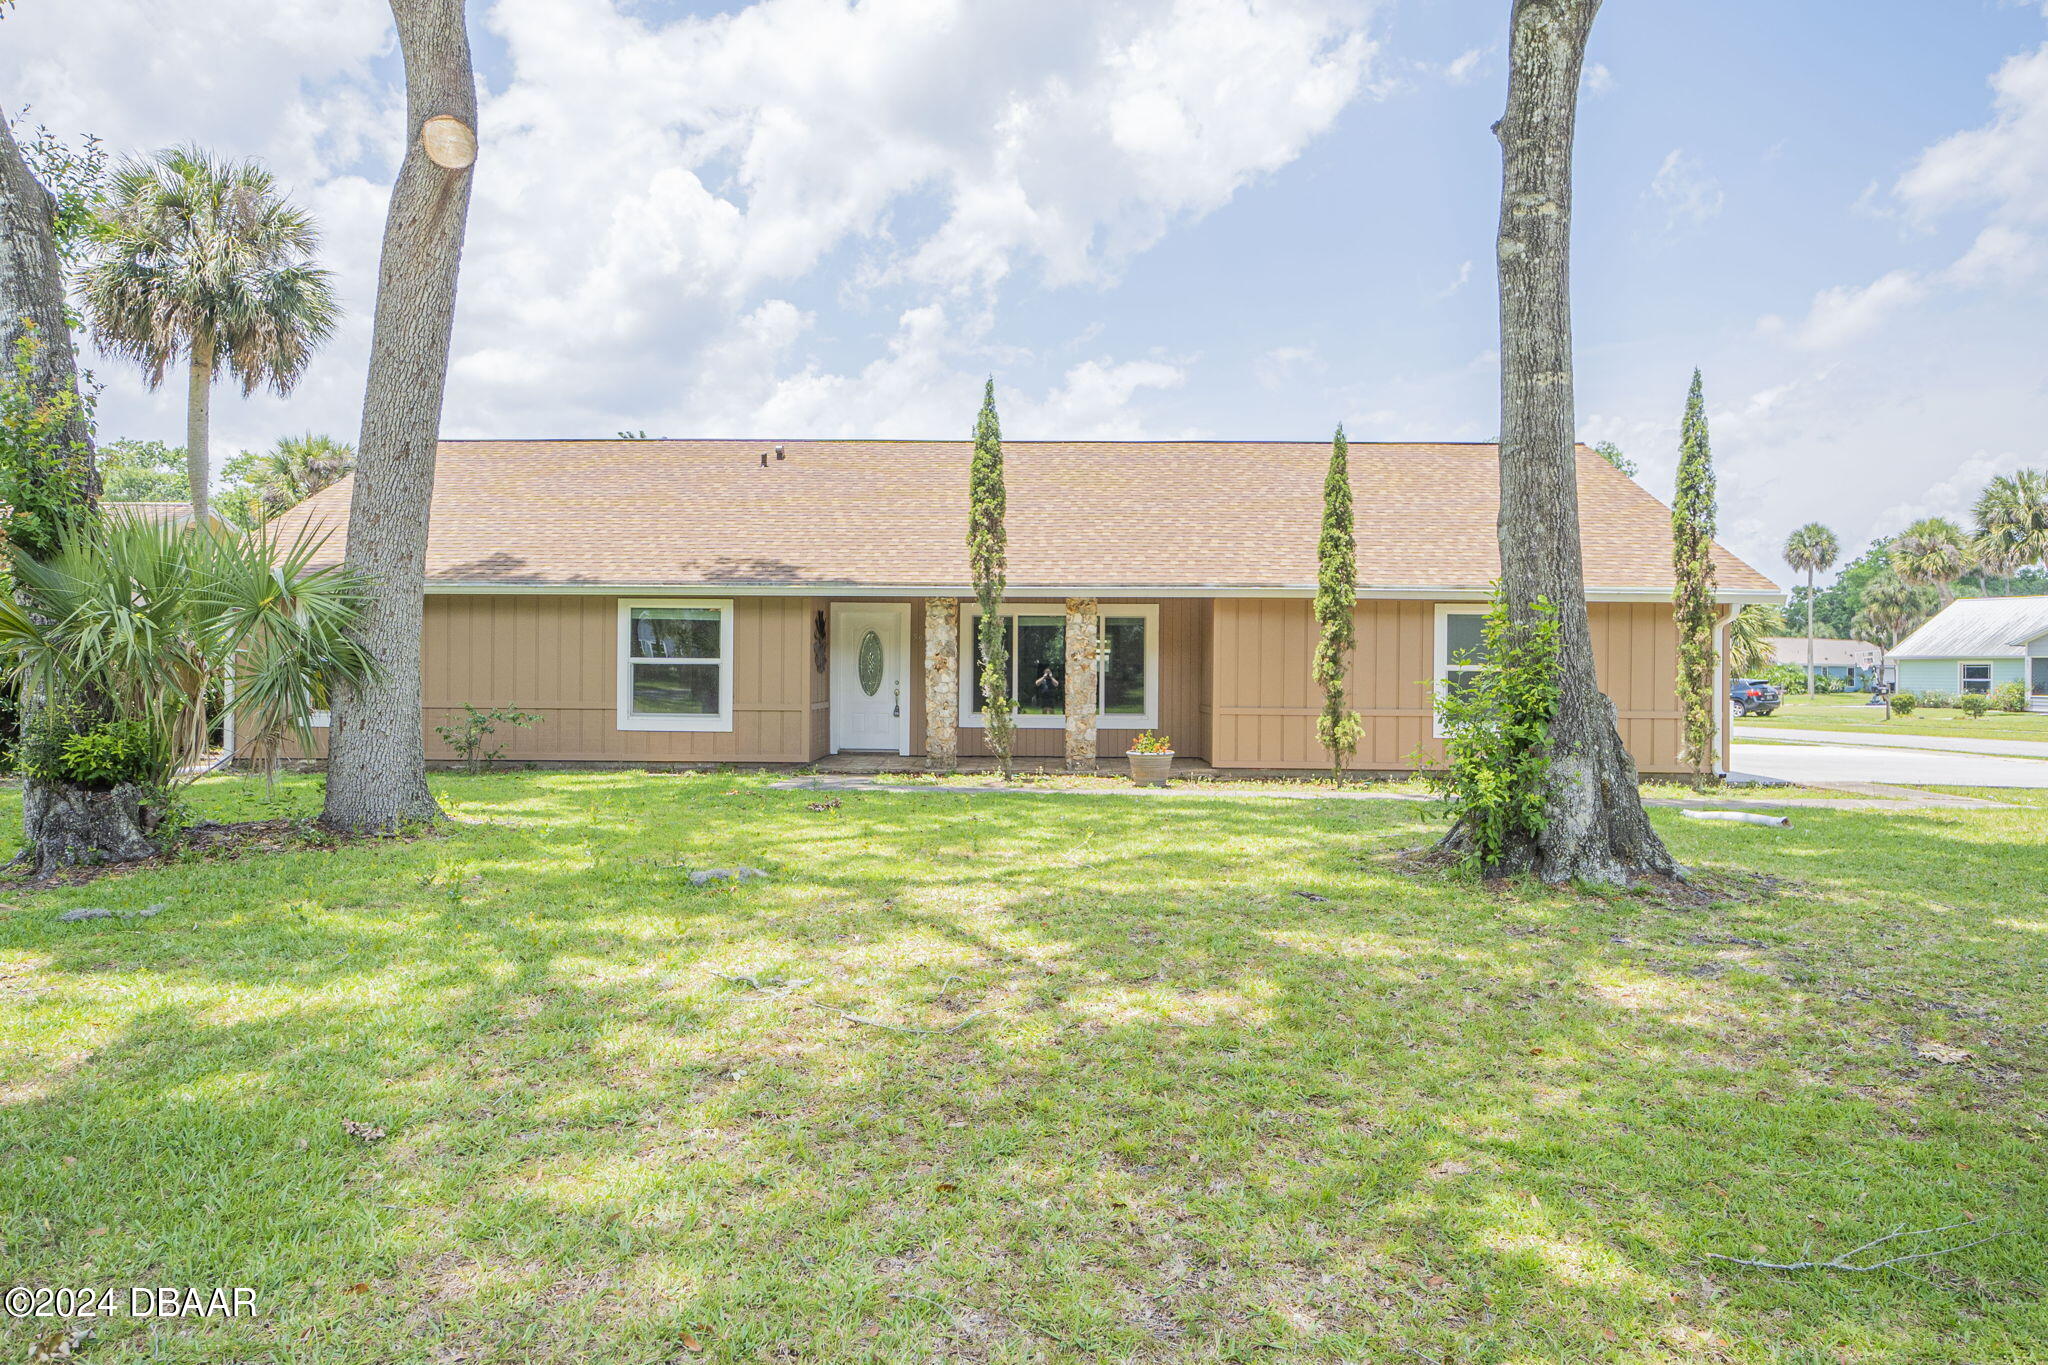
675, 664
1460, 651
1976, 678
1127, 671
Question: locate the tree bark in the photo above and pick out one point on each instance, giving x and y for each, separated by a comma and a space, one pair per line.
32, 284
1809, 632
376, 774
199, 427
1594, 827
62, 825
69, 826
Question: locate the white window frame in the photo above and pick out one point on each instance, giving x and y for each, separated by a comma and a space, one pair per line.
1440, 675
1990, 674
628, 719
970, 621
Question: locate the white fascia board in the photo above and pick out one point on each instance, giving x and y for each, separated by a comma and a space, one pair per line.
1035, 591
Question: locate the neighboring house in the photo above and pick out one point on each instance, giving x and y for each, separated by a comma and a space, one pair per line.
1974, 644
739, 601
1850, 662
150, 511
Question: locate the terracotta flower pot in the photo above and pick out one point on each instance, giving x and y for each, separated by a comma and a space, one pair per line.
1150, 770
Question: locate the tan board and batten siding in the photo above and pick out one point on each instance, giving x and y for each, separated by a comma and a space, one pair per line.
1233, 676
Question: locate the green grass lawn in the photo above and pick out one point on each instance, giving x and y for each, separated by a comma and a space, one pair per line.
1204, 1079
1851, 712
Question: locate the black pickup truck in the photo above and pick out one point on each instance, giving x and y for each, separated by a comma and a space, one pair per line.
1754, 697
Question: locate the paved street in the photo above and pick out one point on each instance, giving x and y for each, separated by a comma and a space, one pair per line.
2019, 748
1839, 761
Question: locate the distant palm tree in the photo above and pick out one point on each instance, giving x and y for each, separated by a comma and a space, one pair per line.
1749, 634
2012, 522
1932, 551
1892, 610
202, 260
1810, 550
264, 483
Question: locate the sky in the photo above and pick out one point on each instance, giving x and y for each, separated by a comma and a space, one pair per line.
1153, 219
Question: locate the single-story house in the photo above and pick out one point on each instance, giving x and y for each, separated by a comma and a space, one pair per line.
1850, 662
1974, 644
738, 601
172, 512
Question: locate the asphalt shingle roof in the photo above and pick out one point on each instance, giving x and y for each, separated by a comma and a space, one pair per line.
893, 514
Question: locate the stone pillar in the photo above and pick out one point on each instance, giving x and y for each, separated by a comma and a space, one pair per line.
1084, 655
941, 683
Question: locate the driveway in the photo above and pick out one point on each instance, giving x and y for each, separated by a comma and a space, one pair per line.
1839, 761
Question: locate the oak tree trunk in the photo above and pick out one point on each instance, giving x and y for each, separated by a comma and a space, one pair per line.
62, 824
32, 284
1594, 826
376, 773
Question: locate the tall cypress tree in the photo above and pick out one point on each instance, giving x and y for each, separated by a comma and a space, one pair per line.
1692, 562
1338, 728
987, 548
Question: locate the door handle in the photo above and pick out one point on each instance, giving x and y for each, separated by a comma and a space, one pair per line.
896, 711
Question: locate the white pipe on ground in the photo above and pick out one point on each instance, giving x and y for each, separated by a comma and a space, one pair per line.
1740, 817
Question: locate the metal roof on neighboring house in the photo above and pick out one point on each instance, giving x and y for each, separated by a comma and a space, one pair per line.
1978, 628
149, 511
875, 514
1791, 649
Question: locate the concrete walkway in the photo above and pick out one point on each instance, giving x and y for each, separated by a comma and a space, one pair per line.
2017, 748
1904, 801
1839, 762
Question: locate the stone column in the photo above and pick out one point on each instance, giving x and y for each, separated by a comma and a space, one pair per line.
1084, 654
941, 683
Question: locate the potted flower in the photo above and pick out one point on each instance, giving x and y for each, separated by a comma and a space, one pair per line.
1151, 756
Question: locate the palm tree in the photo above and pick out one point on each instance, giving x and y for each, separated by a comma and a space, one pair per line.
1932, 551
264, 483
1749, 632
1810, 550
134, 621
2012, 522
203, 260
1892, 610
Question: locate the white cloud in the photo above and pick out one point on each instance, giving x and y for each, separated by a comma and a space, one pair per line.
660, 203
1462, 68
2003, 164
1848, 313
1684, 190
1464, 278
1598, 80
1285, 365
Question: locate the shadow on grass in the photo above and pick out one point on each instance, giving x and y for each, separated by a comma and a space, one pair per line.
1189, 1112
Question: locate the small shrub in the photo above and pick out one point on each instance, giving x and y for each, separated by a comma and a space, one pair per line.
1903, 703
1497, 733
1936, 701
2009, 697
1784, 677
469, 738
1973, 704
1824, 686
69, 745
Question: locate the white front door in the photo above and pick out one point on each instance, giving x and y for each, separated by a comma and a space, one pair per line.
870, 689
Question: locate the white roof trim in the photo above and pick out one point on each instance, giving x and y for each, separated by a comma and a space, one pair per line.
1035, 590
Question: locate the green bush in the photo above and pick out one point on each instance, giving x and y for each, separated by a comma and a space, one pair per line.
1824, 685
1936, 701
1496, 732
69, 745
1973, 704
1903, 703
1785, 677
2009, 697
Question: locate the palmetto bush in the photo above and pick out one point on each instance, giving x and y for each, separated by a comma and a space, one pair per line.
133, 622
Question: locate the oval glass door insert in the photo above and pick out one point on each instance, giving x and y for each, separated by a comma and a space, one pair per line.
870, 663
